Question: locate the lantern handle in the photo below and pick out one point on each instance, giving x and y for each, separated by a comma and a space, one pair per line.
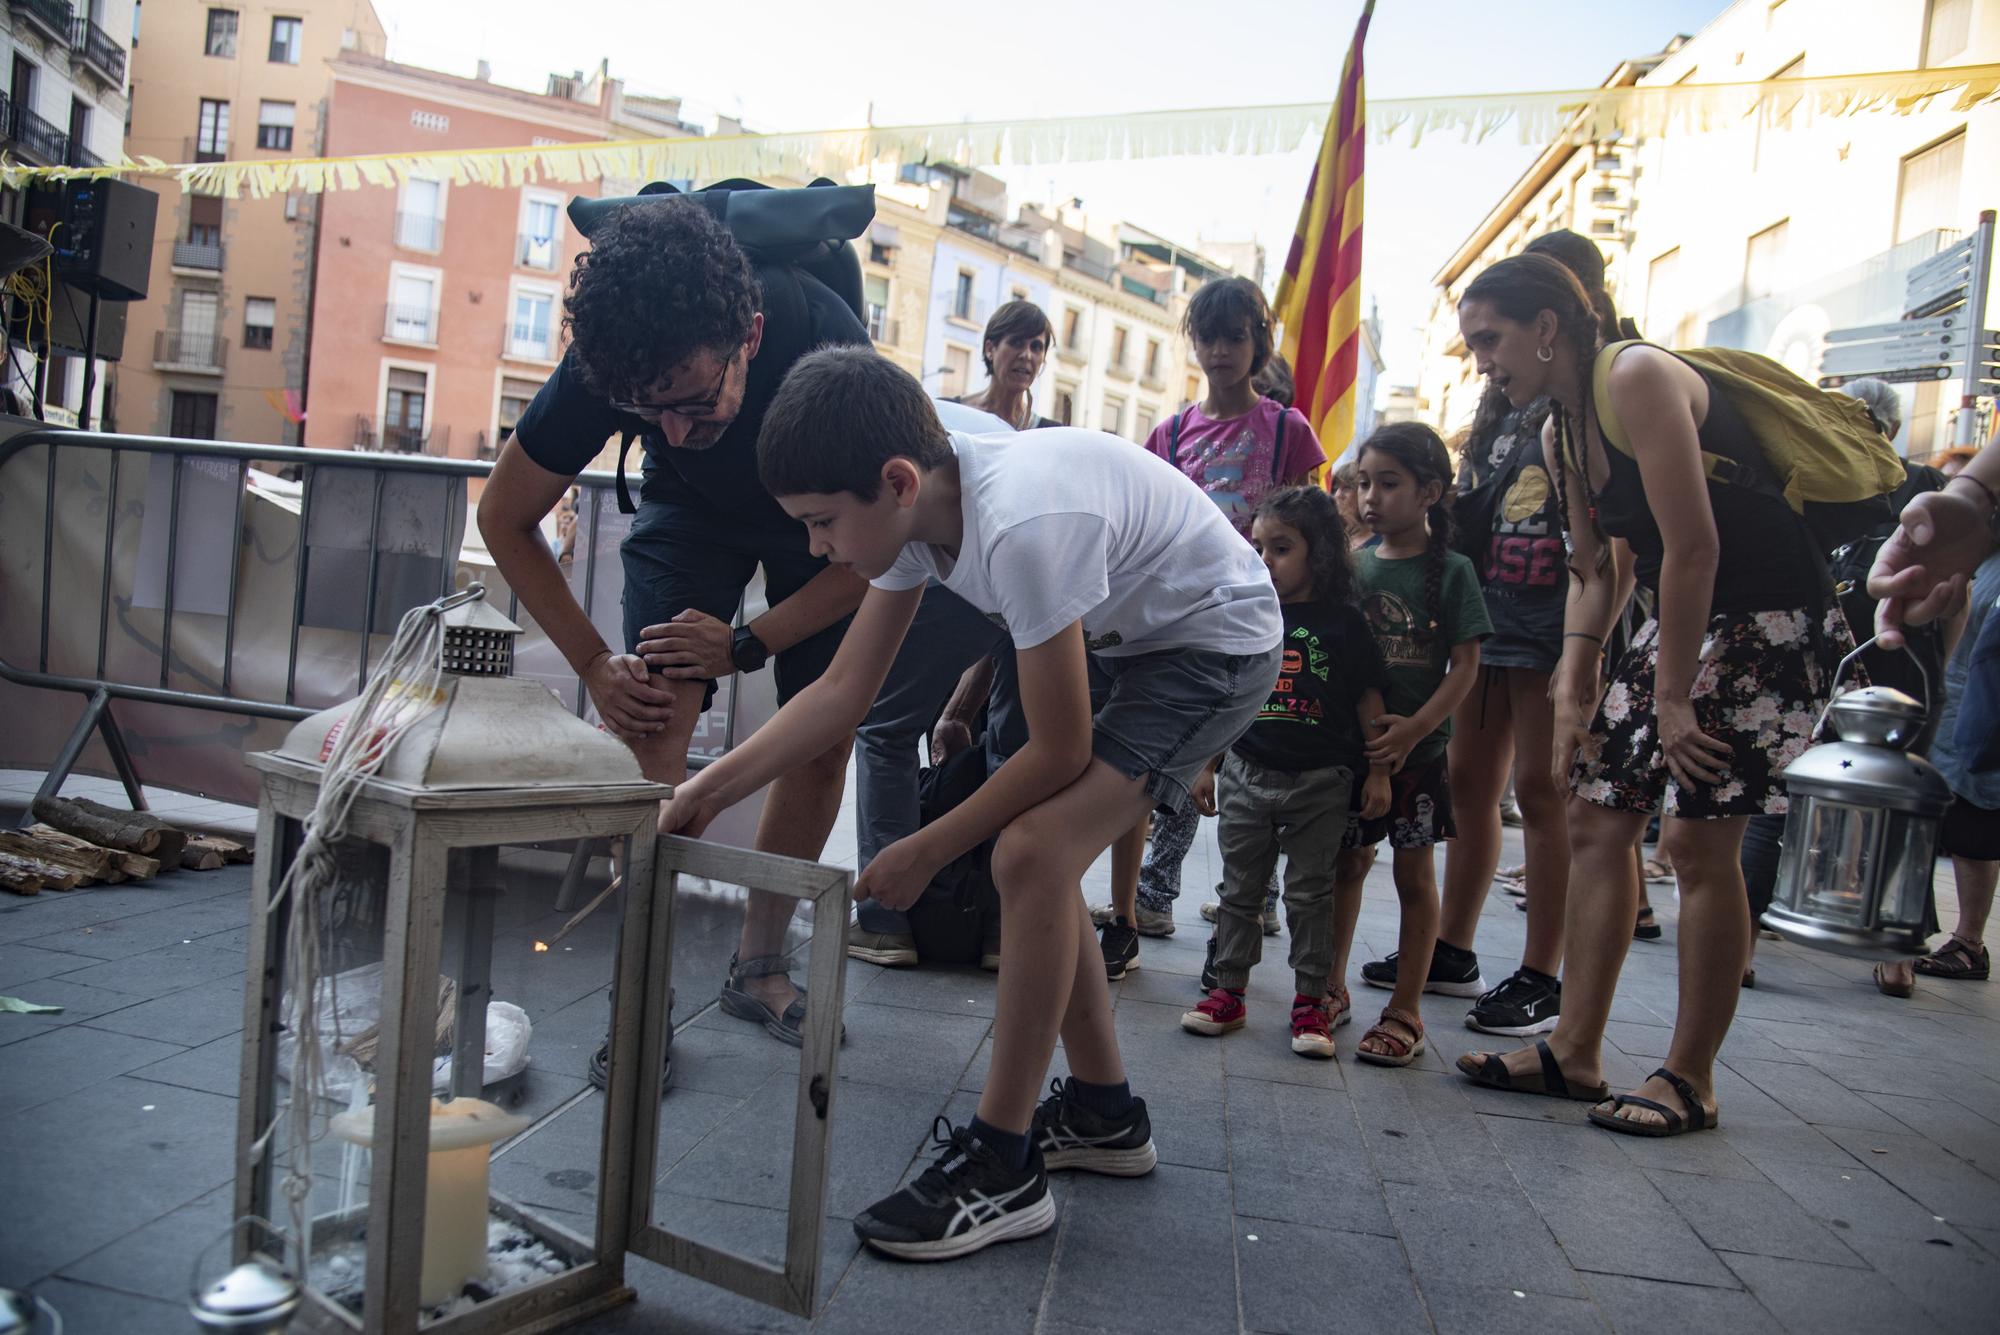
229, 1236
459, 599
1833, 692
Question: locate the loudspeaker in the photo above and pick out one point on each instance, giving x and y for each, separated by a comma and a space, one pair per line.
102, 231
69, 321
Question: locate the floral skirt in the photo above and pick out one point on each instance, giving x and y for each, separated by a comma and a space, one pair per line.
1760, 682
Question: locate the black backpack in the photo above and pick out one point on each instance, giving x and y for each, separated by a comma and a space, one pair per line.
949, 919
810, 229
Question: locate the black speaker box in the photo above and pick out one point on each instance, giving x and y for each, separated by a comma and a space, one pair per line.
102, 232
69, 321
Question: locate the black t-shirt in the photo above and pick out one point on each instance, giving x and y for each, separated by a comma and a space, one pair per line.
1524, 556
568, 422
1309, 722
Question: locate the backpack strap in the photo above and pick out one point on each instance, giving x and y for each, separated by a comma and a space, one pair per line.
1278, 446
625, 505
1174, 440
1717, 468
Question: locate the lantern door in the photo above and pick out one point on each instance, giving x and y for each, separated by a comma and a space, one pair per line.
729, 1178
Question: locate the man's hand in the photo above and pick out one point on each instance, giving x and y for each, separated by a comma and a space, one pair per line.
948, 738
1202, 791
1375, 794
694, 646
689, 811
632, 707
1922, 569
897, 875
1392, 746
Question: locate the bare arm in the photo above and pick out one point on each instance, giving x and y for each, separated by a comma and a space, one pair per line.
1923, 568
1596, 597
1393, 743
819, 602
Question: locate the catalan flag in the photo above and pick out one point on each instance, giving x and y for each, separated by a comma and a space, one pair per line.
1319, 298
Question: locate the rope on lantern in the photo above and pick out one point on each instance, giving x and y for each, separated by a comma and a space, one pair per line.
407, 684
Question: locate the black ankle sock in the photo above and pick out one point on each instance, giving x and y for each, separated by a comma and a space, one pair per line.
1541, 977
1450, 951
1011, 1146
1107, 1101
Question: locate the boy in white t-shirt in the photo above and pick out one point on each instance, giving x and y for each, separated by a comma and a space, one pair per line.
1146, 633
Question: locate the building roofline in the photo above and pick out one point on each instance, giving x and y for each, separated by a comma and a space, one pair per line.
361, 69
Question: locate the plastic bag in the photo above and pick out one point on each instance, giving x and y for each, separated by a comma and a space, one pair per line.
350, 1014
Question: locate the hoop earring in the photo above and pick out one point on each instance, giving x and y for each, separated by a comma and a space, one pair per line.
1544, 354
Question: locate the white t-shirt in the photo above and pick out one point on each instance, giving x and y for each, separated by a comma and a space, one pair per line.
1063, 524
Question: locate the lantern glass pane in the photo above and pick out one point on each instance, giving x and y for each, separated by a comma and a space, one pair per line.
1842, 858
1912, 851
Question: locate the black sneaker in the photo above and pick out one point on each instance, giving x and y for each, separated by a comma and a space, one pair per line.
1454, 972
1525, 1003
1119, 940
1208, 979
1069, 1135
967, 1200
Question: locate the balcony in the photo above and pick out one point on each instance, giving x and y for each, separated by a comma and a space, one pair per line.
972, 312
53, 16
99, 52
410, 324
1119, 370
40, 142
391, 438
881, 327
79, 156
420, 231
536, 252
200, 256
196, 354
528, 342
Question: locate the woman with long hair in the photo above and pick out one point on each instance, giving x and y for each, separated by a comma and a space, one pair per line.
1702, 713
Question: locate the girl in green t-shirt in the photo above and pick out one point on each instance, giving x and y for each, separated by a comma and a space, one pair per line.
1423, 603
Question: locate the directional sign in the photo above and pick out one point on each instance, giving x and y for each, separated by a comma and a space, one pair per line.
1936, 296
1860, 361
1940, 324
1908, 375
1949, 260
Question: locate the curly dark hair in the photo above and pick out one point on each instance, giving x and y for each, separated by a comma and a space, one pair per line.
661, 281
1311, 511
1419, 452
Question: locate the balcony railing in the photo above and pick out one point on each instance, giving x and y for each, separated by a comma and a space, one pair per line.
79, 156
527, 342
420, 231
881, 327
199, 148
393, 438
206, 255
38, 139
99, 51
410, 324
178, 350
54, 15
536, 252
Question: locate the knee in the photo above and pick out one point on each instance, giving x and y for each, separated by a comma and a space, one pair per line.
1022, 863
1592, 829
1536, 792
1699, 853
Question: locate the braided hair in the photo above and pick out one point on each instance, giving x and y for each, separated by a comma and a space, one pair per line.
1520, 288
1418, 451
1313, 513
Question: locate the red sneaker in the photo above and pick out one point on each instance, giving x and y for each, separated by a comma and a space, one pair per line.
1221, 1011
1312, 1027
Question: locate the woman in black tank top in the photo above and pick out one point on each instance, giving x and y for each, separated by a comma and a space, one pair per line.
1701, 713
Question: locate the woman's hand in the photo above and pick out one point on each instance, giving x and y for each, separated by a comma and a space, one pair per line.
898, 874
1574, 695
1693, 757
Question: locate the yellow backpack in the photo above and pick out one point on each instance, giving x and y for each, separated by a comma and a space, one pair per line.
1822, 452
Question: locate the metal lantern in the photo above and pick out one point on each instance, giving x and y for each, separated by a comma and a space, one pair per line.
1854, 876
482, 759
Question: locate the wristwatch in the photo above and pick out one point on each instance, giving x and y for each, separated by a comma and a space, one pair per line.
746, 651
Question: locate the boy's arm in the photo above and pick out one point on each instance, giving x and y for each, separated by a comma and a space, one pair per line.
812, 722
1055, 694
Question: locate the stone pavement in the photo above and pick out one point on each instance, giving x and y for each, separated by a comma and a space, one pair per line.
1854, 1185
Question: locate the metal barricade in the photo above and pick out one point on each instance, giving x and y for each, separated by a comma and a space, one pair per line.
95, 460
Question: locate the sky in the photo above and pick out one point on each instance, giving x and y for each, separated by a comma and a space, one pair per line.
792, 65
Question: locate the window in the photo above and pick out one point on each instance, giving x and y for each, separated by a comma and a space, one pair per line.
875, 304
212, 134
1604, 227
1664, 307
22, 89
1143, 427
1066, 404
1608, 162
222, 33
1120, 335
1072, 328
515, 396
403, 409
192, 416
1114, 415
412, 308
531, 331
1193, 390
541, 229
1927, 188
204, 220
881, 254
260, 317
285, 41
420, 220
1947, 27
274, 125
1152, 359
79, 129
961, 296
1764, 263
957, 371
434, 121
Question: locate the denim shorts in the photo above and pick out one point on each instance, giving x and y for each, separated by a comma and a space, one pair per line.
677, 557
1164, 716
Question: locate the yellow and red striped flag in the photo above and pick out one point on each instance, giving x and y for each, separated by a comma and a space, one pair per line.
1319, 298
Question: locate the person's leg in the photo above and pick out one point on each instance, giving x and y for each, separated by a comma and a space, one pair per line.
1311, 823
1760, 876
1976, 880
1350, 876
1247, 837
1416, 893
1051, 974
1481, 755
1544, 821
1160, 876
1128, 851
799, 811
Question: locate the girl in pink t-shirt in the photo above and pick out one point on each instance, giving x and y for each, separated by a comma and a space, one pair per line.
1235, 444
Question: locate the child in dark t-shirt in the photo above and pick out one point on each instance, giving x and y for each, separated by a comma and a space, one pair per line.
1288, 782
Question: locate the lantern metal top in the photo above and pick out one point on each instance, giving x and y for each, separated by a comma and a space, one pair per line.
1861, 774
251, 1297
1877, 716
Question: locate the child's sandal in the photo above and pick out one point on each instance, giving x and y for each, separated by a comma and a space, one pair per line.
1402, 1051
1339, 1006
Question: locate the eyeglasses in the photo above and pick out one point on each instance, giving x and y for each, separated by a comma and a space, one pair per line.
691, 409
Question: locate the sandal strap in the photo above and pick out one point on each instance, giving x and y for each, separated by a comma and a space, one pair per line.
1673, 1119
1697, 1114
1552, 1076
760, 966
1404, 1018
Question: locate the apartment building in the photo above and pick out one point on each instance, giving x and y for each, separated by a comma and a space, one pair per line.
64, 105
220, 348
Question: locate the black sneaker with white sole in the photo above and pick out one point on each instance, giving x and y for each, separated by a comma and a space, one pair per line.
1454, 972
1525, 1003
1209, 982
1119, 940
968, 1200
1069, 1135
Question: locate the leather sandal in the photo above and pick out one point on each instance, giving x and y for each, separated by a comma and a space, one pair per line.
737, 1000
1889, 988
1697, 1118
1488, 1069
1402, 1051
1956, 959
